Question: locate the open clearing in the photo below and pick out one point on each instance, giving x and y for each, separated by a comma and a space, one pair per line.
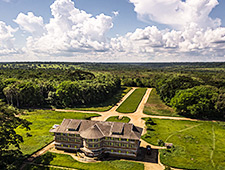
124, 119
130, 105
63, 160
155, 106
42, 121
198, 145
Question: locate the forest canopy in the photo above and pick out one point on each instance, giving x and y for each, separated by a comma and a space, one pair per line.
43, 84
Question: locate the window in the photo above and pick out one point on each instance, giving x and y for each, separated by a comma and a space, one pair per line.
75, 146
127, 140
119, 139
127, 152
119, 151
111, 150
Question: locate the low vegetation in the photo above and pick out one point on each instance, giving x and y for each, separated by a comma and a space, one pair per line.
155, 106
124, 119
42, 121
67, 161
130, 105
196, 145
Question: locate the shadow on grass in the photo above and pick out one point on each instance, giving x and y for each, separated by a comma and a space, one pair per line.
45, 159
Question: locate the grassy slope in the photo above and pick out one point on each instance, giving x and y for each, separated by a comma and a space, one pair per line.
106, 105
124, 119
193, 143
42, 121
68, 161
155, 106
130, 105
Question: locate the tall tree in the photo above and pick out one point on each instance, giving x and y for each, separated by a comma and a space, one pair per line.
198, 101
10, 153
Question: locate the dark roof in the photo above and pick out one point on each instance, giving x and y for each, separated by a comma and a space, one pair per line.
90, 129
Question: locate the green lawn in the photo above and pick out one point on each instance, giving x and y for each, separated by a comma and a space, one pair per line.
198, 145
130, 105
155, 106
42, 121
124, 119
67, 161
107, 105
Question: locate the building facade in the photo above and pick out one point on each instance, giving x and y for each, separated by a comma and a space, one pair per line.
97, 137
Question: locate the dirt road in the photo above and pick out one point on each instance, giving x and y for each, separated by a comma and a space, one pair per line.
135, 118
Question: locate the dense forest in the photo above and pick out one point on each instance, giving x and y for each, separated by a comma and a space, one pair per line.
193, 89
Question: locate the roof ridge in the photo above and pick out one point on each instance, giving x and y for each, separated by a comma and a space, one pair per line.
99, 129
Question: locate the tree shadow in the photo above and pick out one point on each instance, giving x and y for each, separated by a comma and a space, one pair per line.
45, 159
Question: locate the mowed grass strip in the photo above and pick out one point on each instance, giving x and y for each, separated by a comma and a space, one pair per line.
155, 106
197, 145
124, 119
42, 121
130, 105
64, 160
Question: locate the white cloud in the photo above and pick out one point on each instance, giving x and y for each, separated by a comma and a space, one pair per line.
116, 13
193, 41
30, 23
6, 39
177, 13
74, 35
70, 30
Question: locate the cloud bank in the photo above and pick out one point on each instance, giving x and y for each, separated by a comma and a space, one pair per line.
177, 13
73, 34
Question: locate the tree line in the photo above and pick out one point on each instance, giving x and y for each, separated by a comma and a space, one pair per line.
191, 97
79, 88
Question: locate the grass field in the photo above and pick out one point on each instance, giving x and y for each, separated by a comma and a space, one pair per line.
42, 121
124, 119
198, 145
155, 106
130, 105
102, 107
67, 161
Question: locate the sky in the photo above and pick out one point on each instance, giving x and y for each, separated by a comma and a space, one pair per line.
112, 30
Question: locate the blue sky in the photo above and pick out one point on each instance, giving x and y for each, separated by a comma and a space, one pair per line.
112, 30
